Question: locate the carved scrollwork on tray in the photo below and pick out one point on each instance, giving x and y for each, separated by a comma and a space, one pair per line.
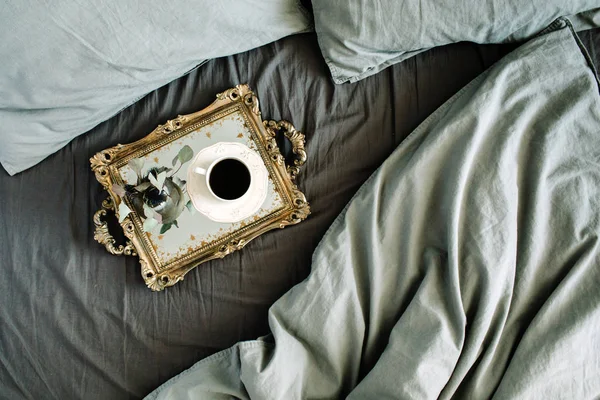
230, 247
103, 236
158, 282
171, 125
115, 168
252, 102
241, 93
301, 209
294, 136
273, 151
100, 162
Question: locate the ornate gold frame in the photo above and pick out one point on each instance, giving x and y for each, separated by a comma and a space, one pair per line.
106, 164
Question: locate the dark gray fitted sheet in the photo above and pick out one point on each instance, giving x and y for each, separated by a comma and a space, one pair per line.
77, 322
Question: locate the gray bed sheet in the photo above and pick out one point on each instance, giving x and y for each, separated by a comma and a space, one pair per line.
77, 322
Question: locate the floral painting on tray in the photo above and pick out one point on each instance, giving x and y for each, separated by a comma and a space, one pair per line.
158, 195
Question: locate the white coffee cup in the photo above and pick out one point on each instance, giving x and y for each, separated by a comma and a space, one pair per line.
207, 176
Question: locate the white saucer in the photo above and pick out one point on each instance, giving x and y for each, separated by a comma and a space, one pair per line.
233, 210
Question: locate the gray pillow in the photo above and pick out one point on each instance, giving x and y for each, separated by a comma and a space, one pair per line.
361, 37
69, 65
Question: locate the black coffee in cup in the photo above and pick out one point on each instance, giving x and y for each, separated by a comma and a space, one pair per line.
229, 179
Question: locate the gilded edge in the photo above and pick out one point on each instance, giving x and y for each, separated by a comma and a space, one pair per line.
105, 166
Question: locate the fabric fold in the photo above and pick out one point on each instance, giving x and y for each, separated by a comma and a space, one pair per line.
465, 267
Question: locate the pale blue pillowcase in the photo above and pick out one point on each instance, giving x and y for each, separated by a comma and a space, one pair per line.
69, 65
358, 38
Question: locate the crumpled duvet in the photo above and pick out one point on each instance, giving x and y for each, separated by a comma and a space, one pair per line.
468, 265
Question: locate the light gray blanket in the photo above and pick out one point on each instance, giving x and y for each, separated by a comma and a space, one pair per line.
468, 266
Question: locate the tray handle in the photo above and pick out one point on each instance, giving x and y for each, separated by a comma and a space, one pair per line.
295, 137
103, 236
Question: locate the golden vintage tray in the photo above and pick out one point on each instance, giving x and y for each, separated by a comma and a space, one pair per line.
170, 244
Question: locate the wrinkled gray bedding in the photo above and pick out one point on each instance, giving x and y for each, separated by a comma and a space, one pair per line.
76, 322
466, 267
